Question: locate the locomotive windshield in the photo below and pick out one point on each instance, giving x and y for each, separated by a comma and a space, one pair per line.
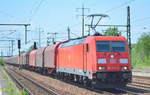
110, 46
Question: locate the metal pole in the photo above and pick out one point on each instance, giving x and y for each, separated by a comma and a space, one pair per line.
12, 47
68, 33
89, 31
9, 49
129, 29
83, 15
19, 59
25, 34
19, 47
53, 40
1, 54
82, 20
39, 37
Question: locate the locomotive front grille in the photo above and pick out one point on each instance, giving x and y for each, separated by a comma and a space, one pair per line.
114, 76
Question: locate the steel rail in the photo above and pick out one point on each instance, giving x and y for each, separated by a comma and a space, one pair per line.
128, 92
139, 84
141, 77
23, 87
51, 92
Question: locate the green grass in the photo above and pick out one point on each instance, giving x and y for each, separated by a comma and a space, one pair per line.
11, 87
141, 64
2, 62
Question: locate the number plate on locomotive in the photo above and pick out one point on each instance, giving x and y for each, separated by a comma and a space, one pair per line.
113, 61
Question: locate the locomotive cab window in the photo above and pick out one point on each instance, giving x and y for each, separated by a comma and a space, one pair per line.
118, 46
103, 46
110, 46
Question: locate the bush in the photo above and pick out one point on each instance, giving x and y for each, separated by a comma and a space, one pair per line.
1, 62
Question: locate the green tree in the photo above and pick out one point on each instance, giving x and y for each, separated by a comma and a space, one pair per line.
141, 50
22, 52
143, 45
31, 48
112, 32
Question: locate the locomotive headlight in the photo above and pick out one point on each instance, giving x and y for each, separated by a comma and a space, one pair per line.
112, 56
102, 68
101, 61
125, 68
124, 61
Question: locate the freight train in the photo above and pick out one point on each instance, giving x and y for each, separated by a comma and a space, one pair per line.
101, 61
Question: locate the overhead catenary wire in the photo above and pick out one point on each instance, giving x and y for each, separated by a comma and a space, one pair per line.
35, 11
71, 26
75, 34
119, 6
140, 20
7, 34
10, 15
142, 25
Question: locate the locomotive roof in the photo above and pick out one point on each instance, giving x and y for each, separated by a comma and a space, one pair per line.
110, 38
103, 38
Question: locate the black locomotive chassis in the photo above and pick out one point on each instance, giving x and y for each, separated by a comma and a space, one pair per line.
112, 79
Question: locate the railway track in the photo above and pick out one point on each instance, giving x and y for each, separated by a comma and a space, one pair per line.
115, 91
139, 84
29, 85
100, 91
135, 88
141, 77
124, 90
76, 84
144, 82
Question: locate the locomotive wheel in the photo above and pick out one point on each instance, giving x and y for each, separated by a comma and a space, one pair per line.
85, 81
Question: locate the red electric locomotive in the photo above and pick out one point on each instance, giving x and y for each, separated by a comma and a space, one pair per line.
103, 61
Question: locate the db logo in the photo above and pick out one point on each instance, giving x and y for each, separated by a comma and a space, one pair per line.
112, 67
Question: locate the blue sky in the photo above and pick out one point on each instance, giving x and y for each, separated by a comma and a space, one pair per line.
56, 15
